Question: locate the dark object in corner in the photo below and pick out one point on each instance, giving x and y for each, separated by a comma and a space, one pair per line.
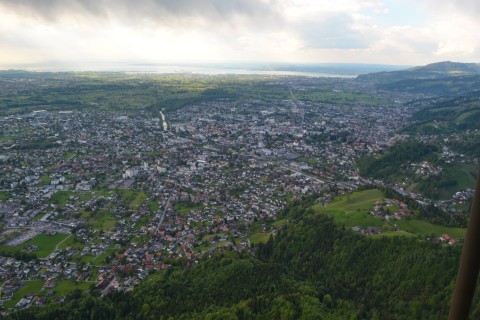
469, 264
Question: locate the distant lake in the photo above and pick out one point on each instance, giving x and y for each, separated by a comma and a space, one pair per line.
341, 70
219, 71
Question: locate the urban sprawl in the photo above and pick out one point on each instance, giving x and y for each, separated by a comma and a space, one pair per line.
126, 194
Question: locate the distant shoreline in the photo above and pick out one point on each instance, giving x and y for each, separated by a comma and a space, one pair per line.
314, 70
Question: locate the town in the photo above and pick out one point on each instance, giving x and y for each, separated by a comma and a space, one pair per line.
99, 200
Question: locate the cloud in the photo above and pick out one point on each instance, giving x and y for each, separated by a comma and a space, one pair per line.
156, 11
336, 31
373, 31
468, 7
457, 36
455, 24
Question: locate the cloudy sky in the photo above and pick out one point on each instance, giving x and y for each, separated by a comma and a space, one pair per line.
400, 32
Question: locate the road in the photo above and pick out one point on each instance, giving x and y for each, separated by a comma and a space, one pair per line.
293, 97
294, 100
165, 209
164, 122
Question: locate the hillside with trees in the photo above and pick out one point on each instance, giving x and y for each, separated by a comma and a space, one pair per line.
312, 268
436, 79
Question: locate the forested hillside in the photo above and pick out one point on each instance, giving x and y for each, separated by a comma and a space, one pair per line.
312, 269
393, 164
405, 162
447, 117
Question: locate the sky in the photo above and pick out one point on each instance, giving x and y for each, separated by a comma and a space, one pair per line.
397, 32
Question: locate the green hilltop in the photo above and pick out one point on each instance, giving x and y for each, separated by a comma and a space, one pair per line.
436, 79
438, 70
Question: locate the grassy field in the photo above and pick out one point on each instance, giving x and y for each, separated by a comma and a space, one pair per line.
66, 286
393, 234
46, 243
279, 223
352, 210
153, 206
4, 195
6, 138
96, 260
184, 208
70, 242
205, 242
423, 228
69, 155
465, 175
100, 220
63, 288
34, 286
61, 198
85, 196
44, 180
412, 187
259, 238
216, 245
103, 221
209, 237
132, 198
39, 216
308, 160
357, 201
143, 221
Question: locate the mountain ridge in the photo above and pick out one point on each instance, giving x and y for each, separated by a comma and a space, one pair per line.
437, 70
436, 79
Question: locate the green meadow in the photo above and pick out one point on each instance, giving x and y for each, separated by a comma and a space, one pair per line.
259, 238
63, 288
29, 287
46, 244
353, 210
